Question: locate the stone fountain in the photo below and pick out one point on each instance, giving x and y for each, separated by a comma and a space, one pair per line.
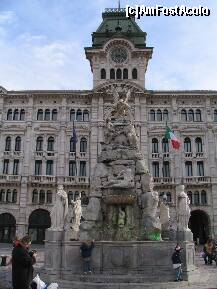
122, 216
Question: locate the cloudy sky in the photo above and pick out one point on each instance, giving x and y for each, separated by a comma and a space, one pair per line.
41, 44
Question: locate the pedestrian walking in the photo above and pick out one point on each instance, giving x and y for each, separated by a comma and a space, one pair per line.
22, 263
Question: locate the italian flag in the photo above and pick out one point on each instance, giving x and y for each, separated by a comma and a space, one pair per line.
170, 135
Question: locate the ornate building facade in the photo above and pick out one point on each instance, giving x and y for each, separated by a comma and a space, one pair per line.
38, 152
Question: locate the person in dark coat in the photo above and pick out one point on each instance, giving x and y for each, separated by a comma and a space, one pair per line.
86, 251
177, 263
22, 264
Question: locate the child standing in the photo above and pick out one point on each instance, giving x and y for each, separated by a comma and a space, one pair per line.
177, 263
86, 251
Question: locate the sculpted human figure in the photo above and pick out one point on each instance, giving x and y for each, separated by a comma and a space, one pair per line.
164, 213
183, 209
121, 218
77, 213
59, 210
123, 180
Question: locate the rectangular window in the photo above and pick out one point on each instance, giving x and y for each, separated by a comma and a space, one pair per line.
6, 167
200, 169
49, 197
72, 168
49, 168
82, 172
166, 170
188, 169
16, 167
38, 167
155, 169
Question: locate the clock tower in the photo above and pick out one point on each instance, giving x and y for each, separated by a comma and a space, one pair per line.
119, 52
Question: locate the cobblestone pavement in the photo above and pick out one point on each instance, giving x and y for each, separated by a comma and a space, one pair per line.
5, 272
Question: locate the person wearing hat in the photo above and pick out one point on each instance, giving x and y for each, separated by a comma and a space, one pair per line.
177, 263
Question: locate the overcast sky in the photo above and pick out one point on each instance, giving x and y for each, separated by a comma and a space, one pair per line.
42, 41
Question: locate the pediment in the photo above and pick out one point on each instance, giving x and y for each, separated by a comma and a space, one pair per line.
122, 86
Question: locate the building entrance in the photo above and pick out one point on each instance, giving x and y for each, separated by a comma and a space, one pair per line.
7, 228
39, 221
199, 224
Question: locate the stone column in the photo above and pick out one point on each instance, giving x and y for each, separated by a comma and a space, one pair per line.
94, 134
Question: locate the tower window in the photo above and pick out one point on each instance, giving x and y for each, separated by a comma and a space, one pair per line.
125, 73
103, 73
112, 73
118, 73
134, 73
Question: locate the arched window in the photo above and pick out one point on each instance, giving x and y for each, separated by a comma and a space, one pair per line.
50, 144
72, 115
83, 169
165, 115
9, 114
198, 115
84, 199
79, 115
39, 143
118, 74
155, 148
40, 114
83, 145
35, 196
42, 197
49, 197
188, 169
166, 169
196, 198
155, 169
152, 115
169, 197
103, 73
2, 196
72, 145
134, 73
54, 114
8, 196
125, 73
70, 197
8, 144
76, 195
183, 115
18, 144
190, 115
187, 145
22, 114
112, 73
85, 115
190, 196
215, 115
14, 196
159, 115
165, 145
16, 114
203, 197
198, 145
47, 114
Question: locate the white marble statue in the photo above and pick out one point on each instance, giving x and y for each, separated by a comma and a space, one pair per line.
59, 210
164, 213
183, 209
149, 202
77, 213
124, 179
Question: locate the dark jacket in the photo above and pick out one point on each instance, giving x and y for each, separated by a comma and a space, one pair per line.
176, 258
22, 267
86, 250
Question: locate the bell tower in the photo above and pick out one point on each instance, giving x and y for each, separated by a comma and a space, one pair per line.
118, 52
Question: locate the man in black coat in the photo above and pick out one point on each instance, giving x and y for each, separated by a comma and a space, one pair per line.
22, 264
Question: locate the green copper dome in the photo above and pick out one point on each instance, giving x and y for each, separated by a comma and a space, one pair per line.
115, 24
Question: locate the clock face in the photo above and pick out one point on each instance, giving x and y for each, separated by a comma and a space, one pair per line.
119, 55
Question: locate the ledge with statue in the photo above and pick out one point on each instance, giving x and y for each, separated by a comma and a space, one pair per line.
124, 214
